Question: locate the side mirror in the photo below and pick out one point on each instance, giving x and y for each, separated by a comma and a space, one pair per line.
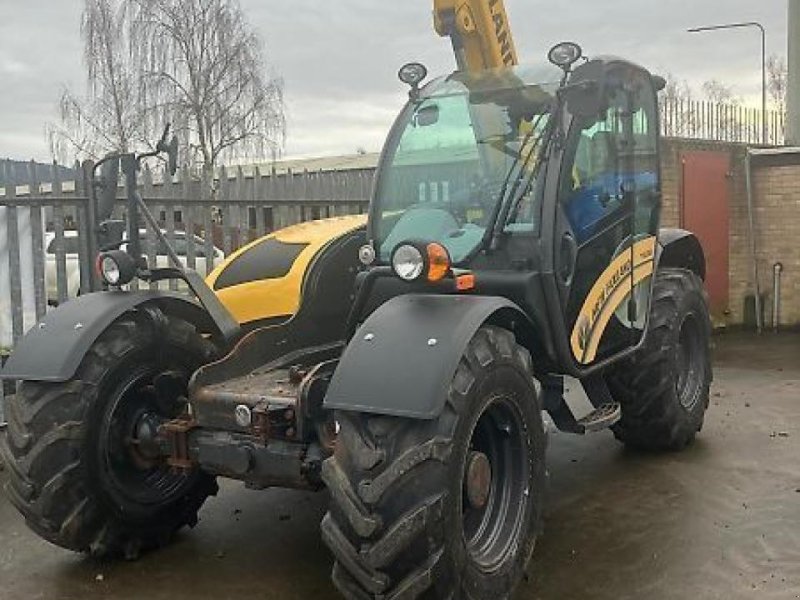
427, 116
585, 94
659, 83
107, 193
172, 156
110, 234
170, 149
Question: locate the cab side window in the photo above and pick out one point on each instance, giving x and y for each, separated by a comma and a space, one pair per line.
611, 167
592, 189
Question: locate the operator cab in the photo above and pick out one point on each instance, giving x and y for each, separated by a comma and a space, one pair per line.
452, 154
543, 183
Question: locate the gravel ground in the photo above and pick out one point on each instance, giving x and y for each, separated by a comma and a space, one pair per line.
721, 520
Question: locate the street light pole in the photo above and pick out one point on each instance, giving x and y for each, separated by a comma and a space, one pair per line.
793, 91
764, 128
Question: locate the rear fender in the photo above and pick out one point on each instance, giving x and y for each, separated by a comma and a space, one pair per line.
403, 358
682, 250
53, 350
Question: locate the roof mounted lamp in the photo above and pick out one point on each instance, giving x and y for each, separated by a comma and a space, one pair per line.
413, 74
564, 55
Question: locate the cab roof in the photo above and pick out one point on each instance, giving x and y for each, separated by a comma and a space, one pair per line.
543, 75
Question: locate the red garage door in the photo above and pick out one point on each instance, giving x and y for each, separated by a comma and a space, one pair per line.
705, 211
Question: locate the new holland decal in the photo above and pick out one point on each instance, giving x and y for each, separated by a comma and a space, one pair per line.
608, 293
501, 31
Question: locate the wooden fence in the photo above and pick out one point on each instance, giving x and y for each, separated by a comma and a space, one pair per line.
45, 228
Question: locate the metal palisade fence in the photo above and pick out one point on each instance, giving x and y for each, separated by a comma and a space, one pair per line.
721, 122
45, 227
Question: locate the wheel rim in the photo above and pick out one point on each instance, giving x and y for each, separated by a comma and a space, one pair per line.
134, 476
492, 531
690, 363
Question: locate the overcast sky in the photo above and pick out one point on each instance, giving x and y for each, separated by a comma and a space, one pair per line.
339, 58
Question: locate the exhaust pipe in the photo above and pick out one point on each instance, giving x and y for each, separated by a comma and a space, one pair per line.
777, 269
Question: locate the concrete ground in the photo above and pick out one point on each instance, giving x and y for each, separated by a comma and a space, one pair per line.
721, 520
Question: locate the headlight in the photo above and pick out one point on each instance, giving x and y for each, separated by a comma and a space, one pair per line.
408, 262
109, 270
116, 268
412, 261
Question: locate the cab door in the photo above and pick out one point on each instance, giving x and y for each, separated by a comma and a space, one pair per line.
607, 221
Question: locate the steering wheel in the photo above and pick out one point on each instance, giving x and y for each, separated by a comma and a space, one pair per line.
482, 196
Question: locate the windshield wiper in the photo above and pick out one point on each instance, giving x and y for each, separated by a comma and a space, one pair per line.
504, 208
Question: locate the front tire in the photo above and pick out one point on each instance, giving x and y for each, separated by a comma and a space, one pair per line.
448, 508
664, 388
76, 474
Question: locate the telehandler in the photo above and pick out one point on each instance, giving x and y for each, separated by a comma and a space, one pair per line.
413, 390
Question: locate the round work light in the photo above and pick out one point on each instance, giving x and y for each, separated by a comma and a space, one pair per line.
565, 54
413, 74
116, 268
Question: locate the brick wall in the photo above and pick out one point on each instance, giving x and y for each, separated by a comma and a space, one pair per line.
777, 216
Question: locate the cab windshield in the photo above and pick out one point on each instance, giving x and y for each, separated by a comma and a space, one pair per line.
455, 155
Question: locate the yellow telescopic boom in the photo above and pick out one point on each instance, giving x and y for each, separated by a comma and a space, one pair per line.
479, 31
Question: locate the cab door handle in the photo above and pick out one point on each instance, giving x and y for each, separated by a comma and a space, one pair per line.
568, 254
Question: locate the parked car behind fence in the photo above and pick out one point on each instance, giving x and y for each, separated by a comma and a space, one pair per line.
73, 271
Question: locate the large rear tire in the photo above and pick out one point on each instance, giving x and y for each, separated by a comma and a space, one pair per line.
664, 388
76, 473
448, 508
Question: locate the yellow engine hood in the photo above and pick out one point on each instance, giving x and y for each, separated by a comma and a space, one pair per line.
264, 279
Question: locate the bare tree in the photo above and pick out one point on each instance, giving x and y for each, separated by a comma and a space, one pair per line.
203, 63
720, 93
777, 81
108, 118
195, 63
677, 89
678, 116
727, 121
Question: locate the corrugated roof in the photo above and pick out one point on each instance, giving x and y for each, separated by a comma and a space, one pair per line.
348, 162
775, 151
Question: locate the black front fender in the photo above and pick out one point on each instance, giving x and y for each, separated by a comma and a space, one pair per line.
54, 348
401, 361
682, 250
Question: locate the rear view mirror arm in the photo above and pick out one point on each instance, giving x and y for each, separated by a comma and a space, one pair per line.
130, 167
153, 223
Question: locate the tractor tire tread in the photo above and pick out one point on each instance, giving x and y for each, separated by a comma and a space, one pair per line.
652, 417
382, 552
44, 445
366, 557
